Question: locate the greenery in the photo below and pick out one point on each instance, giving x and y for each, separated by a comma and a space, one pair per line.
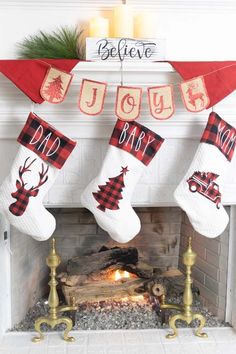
63, 43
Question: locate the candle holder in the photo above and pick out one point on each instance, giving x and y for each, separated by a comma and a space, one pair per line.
53, 260
189, 259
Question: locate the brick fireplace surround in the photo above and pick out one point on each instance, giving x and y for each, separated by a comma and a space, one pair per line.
164, 226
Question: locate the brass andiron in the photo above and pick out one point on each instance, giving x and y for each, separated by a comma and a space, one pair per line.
53, 260
189, 259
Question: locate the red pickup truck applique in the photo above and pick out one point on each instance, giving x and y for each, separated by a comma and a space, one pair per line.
203, 183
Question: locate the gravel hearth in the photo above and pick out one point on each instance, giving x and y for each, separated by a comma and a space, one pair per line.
116, 315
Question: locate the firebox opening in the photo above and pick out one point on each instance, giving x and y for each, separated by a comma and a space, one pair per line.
113, 282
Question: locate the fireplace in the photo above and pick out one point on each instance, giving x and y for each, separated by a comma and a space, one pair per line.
160, 245
165, 227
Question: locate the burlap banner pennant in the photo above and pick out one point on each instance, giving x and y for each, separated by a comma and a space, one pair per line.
128, 99
55, 85
128, 102
92, 96
194, 94
161, 101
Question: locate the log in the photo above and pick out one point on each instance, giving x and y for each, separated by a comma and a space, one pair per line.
90, 278
141, 269
79, 280
96, 262
108, 289
104, 290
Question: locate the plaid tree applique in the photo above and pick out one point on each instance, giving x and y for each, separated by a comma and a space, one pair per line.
109, 194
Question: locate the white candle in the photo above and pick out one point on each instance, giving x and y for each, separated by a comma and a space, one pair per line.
123, 22
144, 25
99, 27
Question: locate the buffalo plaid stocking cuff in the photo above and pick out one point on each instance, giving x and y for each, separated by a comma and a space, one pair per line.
136, 139
221, 134
47, 142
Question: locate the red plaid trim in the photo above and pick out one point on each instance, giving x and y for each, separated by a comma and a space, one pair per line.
221, 134
47, 142
136, 139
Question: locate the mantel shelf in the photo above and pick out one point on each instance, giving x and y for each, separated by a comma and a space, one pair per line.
127, 66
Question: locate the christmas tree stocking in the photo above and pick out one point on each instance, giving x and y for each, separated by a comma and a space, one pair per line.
43, 151
131, 148
199, 193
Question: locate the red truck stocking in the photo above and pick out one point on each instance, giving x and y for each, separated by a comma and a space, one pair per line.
199, 193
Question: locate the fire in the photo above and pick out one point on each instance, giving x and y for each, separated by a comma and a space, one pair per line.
123, 274
119, 274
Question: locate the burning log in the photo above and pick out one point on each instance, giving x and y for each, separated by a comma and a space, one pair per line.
103, 290
111, 274
97, 262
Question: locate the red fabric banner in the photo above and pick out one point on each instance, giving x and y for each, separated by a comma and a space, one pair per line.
28, 75
219, 76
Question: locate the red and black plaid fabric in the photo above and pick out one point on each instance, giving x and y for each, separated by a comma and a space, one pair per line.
22, 194
47, 142
136, 139
221, 134
203, 183
109, 194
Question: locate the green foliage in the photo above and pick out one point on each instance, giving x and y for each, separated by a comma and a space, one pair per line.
63, 43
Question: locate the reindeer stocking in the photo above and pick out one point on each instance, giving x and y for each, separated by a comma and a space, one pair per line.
43, 151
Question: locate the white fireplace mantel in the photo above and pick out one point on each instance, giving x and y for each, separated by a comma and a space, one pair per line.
182, 133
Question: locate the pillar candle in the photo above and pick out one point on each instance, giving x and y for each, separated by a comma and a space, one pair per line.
144, 25
123, 22
99, 27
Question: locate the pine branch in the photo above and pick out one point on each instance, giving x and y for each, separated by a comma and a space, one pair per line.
63, 43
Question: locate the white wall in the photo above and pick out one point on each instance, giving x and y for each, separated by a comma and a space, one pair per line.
195, 30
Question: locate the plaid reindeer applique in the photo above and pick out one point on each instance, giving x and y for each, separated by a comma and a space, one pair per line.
22, 194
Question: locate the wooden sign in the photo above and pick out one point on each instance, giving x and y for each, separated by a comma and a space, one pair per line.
120, 49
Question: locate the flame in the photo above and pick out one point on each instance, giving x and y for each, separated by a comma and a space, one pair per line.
121, 274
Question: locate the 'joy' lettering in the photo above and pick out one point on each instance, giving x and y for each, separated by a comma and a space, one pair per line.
91, 98
94, 97
128, 103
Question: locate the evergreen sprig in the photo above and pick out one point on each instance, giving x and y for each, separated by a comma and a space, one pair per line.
63, 43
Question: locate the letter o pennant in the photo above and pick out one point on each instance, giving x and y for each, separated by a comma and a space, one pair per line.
91, 98
128, 103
